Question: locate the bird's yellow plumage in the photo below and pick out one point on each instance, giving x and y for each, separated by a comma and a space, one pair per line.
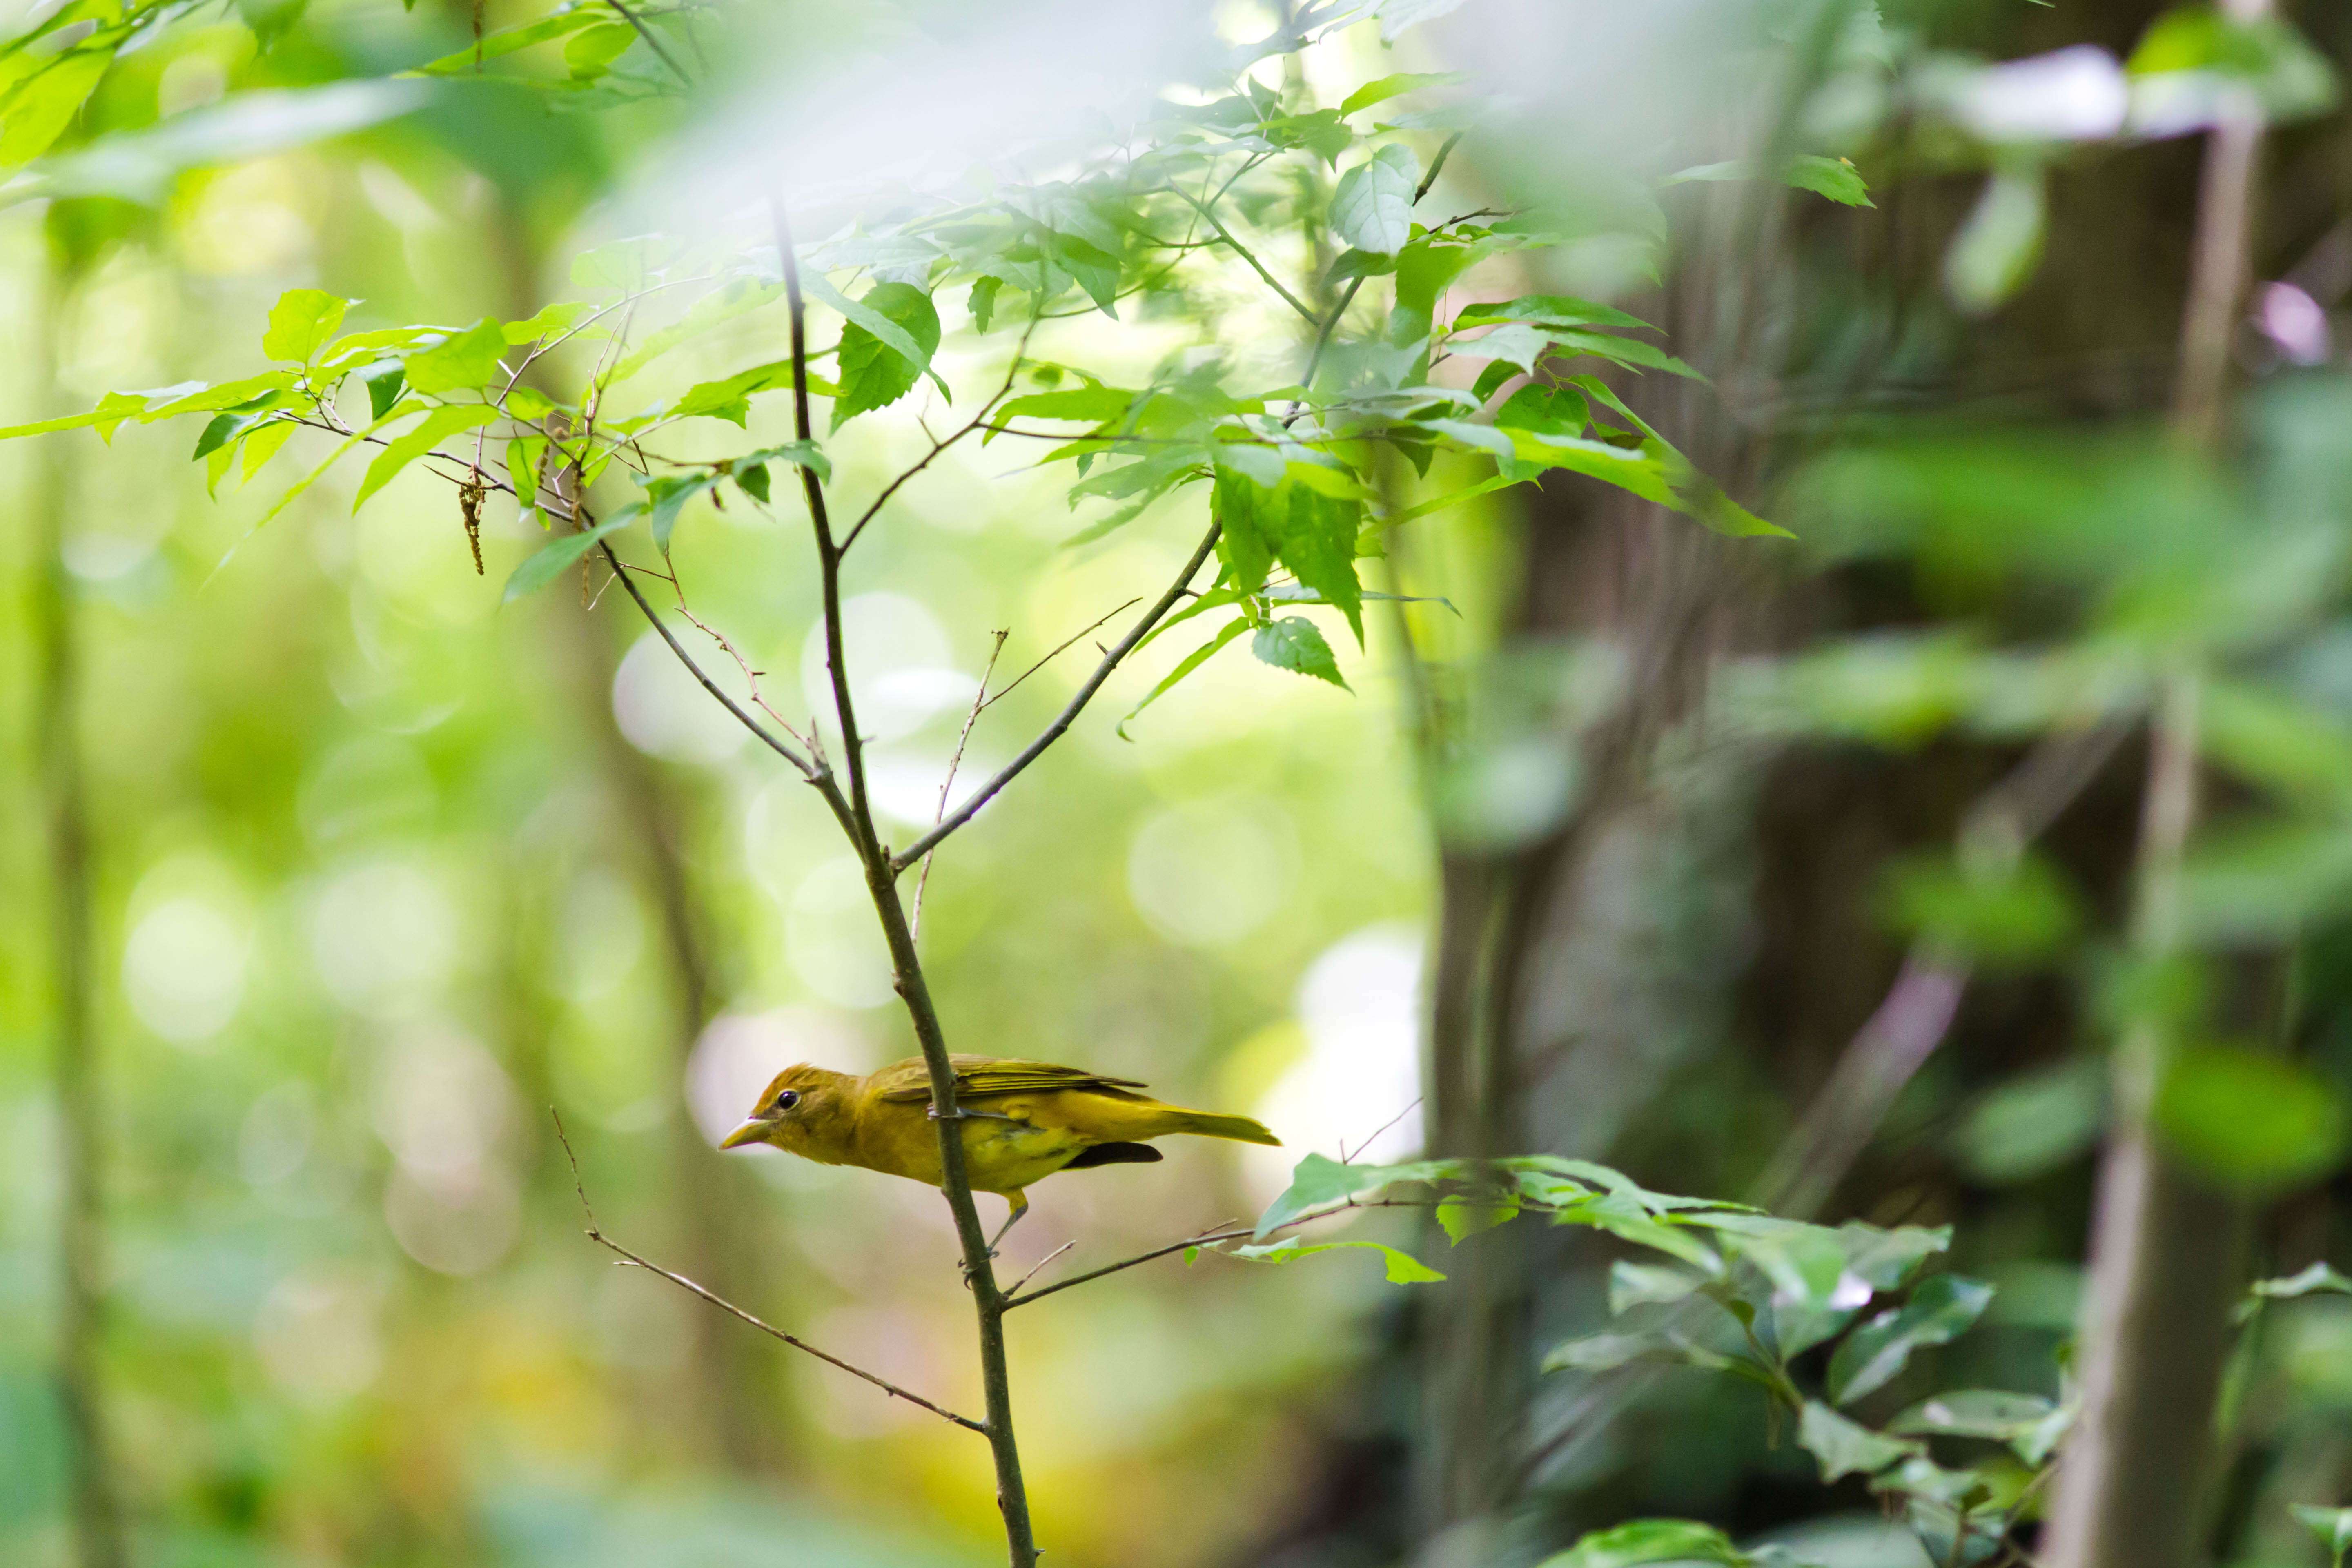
1023, 1121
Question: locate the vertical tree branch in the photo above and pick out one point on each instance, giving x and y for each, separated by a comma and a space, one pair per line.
907, 971
2164, 1250
98, 1539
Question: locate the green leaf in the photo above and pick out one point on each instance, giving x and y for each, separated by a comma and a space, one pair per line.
873, 372
1191, 662
730, 397
751, 469
1294, 642
141, 165
590, 53
262, 445
226, 427
1243, 508
1093, 404
1403, 1269
1467, 1217
38, 113
1999, 243
666, 495
312, 478
2034, 1122
861, 314
1940, 1310
1648, 1541
1608, 1352
463, 361
1323, 132
418, 441
1372, 208
1835, 178
2251, 1119
384, 382
1314, 536
1318, 1182
508, 40
552, 322
982, 301
2332, 1525
1974, 1413
1388, 87
301, 323
1549, 310
560, 554
1847, 1448
203, 399
1635, 1284
2010, 914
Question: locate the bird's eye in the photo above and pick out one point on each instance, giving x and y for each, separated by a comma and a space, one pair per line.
787, 1100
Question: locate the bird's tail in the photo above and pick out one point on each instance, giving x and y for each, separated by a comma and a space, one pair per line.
1208, 1124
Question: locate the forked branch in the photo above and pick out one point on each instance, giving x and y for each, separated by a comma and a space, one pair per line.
1069, 715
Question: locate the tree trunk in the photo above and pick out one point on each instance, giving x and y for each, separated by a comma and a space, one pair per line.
730, 1399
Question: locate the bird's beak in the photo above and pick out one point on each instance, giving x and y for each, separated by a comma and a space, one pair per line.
750, 1133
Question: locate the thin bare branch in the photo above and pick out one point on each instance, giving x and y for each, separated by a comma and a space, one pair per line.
940, 444
1211, 1236
1057, 653
1243, 251
1041, 1267
651, 43
979, 701
1383, 1126
597, 1236
1063, 720
806, 768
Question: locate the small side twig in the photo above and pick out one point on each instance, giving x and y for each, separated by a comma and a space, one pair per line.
1041, 1267
630, 1258
1222, 1233
1064, 647
1069, 713
634, 20
979, 701
1383, 1126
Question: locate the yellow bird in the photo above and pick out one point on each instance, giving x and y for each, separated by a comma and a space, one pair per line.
1023, 1121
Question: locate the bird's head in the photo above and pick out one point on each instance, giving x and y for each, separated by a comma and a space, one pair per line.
796, 1111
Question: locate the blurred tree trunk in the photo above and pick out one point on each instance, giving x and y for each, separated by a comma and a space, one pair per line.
2166, 1250
98, 1536
1533, 953
729, 1394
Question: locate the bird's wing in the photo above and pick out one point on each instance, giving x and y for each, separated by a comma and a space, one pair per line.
980, 1075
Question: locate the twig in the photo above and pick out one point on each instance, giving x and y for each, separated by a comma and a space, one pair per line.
977, 422
682, 1283
1041, 1267
1209, 1237
1057, 653
979, 701
651, 43
806, 768
1243, 251
1062, 722
1384, 1126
